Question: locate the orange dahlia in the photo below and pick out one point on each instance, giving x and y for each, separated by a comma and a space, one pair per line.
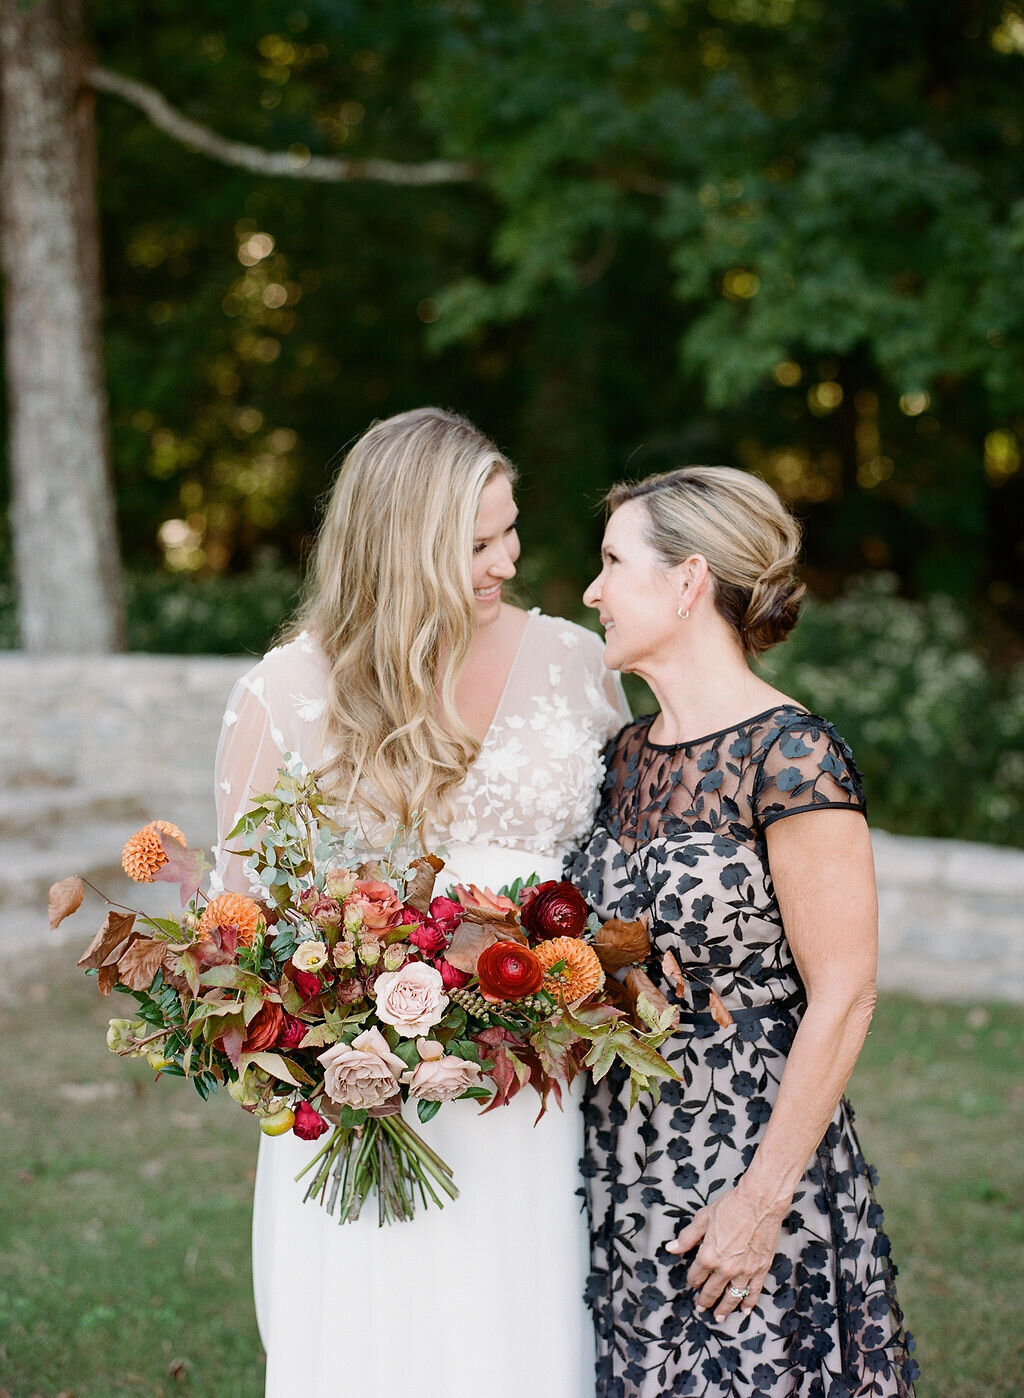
143, 855
232, 910
580, 973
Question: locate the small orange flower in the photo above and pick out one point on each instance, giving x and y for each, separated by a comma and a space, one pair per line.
232, 910
143, 855
581, 974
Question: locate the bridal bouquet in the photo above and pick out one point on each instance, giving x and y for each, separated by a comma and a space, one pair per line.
348, 991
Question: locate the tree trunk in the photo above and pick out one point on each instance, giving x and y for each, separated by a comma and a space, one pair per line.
65, 538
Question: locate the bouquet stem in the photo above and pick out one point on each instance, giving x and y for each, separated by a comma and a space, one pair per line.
384, 1155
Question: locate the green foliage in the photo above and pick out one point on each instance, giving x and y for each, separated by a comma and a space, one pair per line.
937, 733
688, 220
184, 615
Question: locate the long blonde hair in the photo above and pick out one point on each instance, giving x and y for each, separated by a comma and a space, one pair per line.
391, 603
739, 524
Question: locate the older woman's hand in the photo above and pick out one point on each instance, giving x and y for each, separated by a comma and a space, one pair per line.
738, 1240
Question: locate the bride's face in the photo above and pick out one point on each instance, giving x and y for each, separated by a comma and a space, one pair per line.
495, 547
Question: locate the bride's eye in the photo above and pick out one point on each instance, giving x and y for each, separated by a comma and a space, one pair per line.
478, 548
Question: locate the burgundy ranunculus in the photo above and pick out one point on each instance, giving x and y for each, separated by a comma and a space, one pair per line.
451, 977
293, 1032
554, 909
308, 1123
508, 970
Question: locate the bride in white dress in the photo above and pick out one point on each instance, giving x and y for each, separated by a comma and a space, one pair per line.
495, 720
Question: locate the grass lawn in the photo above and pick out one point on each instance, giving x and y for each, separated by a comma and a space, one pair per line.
124, 1213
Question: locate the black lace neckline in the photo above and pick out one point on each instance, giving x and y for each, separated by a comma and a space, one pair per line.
721, 732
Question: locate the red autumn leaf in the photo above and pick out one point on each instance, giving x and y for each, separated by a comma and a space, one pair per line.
719, 1013
504, 1076
110, 942
231, 1042
140, 963
65, 898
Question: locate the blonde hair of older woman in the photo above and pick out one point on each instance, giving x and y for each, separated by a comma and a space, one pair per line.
747, 535
390, 601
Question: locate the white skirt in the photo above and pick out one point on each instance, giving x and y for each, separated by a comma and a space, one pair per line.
480, 1299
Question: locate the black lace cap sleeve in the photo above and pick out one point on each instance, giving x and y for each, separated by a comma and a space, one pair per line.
806, 766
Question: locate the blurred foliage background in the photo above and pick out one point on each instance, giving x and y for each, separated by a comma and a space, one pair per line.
777, 234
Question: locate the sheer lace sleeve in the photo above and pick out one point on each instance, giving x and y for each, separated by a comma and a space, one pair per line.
806, 766
275, 709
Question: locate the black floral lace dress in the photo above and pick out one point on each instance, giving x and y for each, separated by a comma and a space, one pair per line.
680, 835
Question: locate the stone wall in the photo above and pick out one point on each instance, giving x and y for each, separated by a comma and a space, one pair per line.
90, 748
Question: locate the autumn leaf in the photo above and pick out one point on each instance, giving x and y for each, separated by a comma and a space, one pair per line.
184, 866
106, 979
674, 973
638, 983
110, 942
466, 945
65, 898
619, 943
421, 885
719, 1013
140, 963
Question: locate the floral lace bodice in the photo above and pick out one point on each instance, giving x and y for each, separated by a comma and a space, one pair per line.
534, 785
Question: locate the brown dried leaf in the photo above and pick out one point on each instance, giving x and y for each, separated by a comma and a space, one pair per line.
639, 983
140, 963
421, 886
112, 936
466, 945
504, 920
106, 979
674, 972
65, 898
621, 943
719, 1013
371, 869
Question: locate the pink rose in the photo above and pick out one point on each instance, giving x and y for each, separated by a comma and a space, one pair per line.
362, 1074
308, 1123
411, 999
326, 913
378, 903
451, 977
439, 1077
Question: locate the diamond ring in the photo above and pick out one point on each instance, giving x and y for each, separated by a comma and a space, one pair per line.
740, 1292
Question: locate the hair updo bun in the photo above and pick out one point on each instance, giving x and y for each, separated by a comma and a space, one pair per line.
748, 536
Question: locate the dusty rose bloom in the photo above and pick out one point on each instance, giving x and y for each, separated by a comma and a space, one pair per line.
412, 999
377, 902
439, 1077
364, 1073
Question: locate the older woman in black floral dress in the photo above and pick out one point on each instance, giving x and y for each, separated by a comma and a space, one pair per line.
737, 1250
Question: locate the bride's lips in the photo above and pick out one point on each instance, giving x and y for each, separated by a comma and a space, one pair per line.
487, 594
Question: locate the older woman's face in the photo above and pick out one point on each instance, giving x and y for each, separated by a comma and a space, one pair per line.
634, 593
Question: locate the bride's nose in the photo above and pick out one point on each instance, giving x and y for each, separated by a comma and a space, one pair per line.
592, 596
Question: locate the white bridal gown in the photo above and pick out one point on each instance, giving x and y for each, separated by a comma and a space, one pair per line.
482, 1299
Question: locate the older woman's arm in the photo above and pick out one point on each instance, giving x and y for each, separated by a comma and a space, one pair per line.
822, 868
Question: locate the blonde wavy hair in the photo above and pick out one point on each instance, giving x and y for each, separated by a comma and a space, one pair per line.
748, 536
390, 601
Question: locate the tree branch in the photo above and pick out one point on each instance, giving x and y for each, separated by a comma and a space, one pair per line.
295, 165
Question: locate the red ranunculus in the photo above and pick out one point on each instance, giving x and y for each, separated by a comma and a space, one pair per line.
292, 1033
554, 909
508, 970
308, 1123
